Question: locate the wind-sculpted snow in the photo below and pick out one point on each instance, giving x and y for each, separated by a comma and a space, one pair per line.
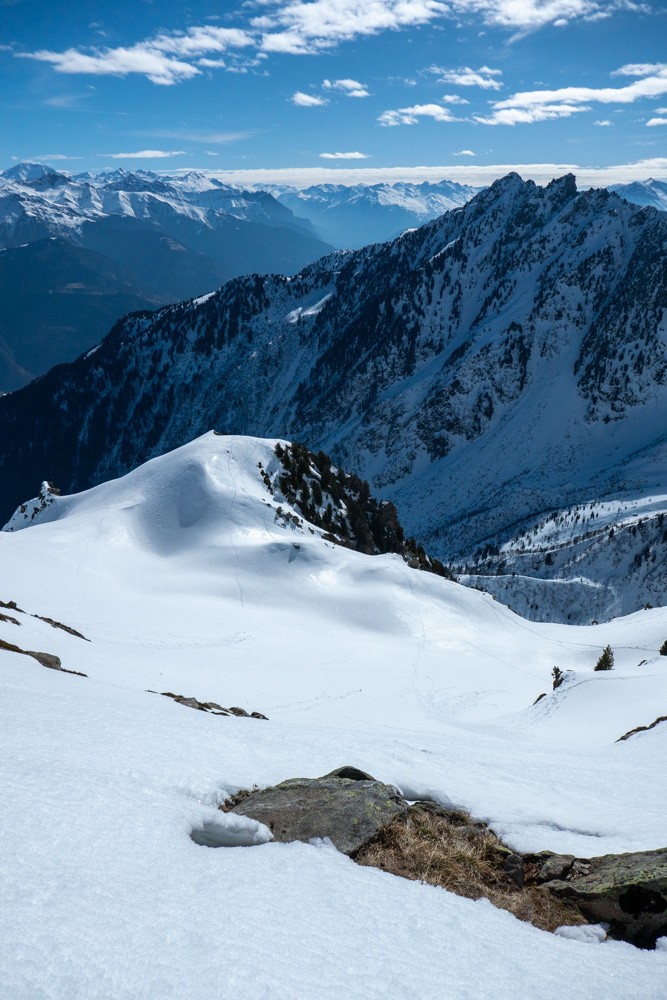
184, 579
503, 361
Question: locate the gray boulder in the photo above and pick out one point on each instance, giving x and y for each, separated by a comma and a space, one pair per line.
627, 891
348, 806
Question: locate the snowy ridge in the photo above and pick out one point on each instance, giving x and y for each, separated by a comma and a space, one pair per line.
593, 561
353, 216
504, 360
183, 579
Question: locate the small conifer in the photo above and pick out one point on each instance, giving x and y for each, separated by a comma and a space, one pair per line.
606, 661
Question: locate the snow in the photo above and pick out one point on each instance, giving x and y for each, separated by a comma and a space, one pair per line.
184, 579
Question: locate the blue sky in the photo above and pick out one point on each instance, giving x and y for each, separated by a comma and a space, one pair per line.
309, 90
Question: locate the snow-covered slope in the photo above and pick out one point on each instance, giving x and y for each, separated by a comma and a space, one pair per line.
650, 192
354, 216
593, 561
503, 361
183, 578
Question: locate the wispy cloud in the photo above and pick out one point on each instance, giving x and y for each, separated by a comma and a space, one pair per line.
309, 27
541, 105
145, 154
308, 100
464, 152
343, 156
464, 76
604, 123
351, 88
411, 115
194, 135
164, 59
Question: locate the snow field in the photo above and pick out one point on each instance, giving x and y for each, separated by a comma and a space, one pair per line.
184, 581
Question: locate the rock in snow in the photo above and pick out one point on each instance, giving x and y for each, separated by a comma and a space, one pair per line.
349, 811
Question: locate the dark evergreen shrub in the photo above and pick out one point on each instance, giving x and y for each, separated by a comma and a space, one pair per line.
606, 661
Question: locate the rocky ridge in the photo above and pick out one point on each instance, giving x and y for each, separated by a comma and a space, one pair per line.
479, 371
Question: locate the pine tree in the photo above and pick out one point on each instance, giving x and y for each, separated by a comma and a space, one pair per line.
606, 661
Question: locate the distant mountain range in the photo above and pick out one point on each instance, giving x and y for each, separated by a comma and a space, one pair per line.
650, 192
138, 241
354, 216
504, 361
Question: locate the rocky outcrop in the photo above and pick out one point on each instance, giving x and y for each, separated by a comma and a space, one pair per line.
211, 707
348, 806
626, 891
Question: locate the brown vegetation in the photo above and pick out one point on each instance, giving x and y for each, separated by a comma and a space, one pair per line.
451, 850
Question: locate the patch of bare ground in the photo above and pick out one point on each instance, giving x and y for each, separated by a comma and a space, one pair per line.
457, 853
237, 798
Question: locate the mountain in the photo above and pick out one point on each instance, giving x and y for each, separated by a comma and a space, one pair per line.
595, 561
169, 238
501, 362
182, 577
354, 216
57, 300
650, 192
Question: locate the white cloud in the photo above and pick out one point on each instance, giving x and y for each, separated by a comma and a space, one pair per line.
301, 27
530, 15
464, 152
145, 154
49, 157
604, 123
467, 173
306, 27
464, 76
351, 88
308, 100
453, 99
410, 116
161, 59
652, 122
151, 63
527, 116
542, 105
653, 84
640, 69
343, 156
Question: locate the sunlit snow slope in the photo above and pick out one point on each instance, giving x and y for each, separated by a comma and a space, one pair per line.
184, 578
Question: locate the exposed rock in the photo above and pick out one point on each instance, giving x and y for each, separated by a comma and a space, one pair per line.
49, 660
9, 618
627, 891
350, 811
211, 707
64, 628
642, 729
513, 867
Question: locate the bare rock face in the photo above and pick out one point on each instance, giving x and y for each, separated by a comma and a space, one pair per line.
627, 891
348, 806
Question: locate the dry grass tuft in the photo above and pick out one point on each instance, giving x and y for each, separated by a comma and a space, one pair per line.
237, 798
455, 852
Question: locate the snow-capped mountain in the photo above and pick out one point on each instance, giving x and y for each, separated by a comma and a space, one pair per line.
650, 192
503, 361
36, 198
595, 561
354, 216
183, 577
166, 239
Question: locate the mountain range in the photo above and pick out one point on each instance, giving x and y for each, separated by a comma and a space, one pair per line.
502, 362
352, 216
121, 241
